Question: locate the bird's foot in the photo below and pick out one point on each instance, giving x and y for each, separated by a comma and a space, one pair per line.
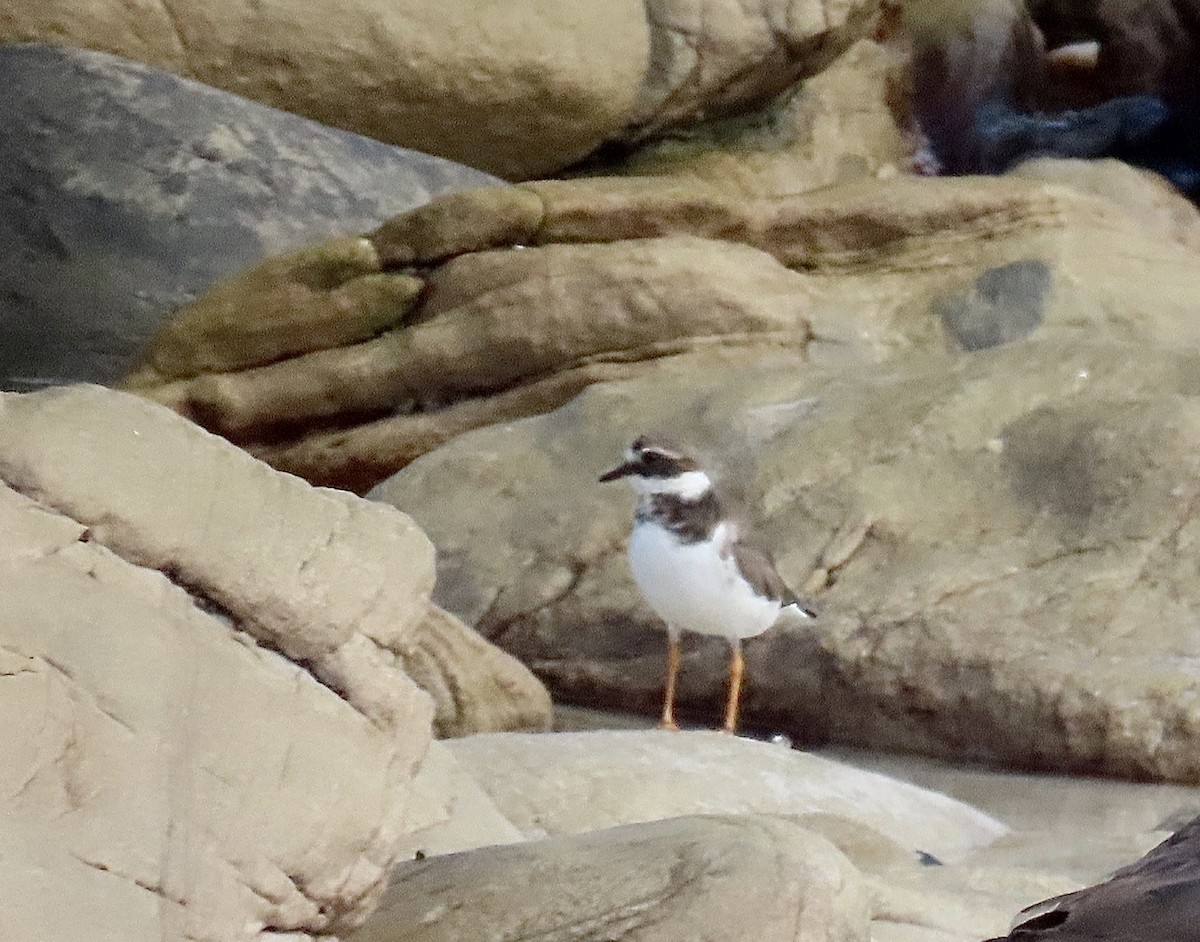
670, 724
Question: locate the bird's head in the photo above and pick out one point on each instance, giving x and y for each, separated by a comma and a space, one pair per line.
658, 466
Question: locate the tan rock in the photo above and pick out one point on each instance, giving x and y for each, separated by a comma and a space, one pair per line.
476, 687
493, 320
475, 84
868, 269
335, 588
323, 296
965, 901
1001, 549
718, 877
1144, 196
166, 775
568, 783
715, 56
837, 126
359, 458
468, 221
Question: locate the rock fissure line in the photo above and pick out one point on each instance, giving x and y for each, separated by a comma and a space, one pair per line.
155, 889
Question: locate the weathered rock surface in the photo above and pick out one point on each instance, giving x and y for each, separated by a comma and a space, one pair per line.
569, 783
620, 277
1001, 549
1066, 832
125, 192
460, 814
750, 877
476, 687
519, 89
718, 56
838, 126
167, 773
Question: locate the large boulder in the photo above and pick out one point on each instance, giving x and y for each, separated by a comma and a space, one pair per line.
1000, 546
197, 654
472, 84
736, 878
583, 801
520, 89
126, 191
535, 292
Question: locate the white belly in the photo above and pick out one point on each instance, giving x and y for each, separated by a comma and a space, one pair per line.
693, 588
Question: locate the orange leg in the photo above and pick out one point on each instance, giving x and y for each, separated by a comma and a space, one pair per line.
668, 713
737, 667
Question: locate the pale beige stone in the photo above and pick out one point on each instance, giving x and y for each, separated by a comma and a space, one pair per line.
323, 577
460, 814
568, 783
166, 776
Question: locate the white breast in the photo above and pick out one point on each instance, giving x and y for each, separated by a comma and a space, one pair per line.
694, 588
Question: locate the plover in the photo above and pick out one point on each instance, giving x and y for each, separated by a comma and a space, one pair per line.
695, 565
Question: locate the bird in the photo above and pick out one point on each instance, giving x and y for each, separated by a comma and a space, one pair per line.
699, 569
1155, 899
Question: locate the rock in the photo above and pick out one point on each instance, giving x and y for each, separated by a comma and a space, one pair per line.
518, 90
1005, 304
476, 687
197, 653
562, 312
717, 877
837, 126
127, 192
597, 289
569, 783
522, 91
318, 297
1001, 548
462, 816
1143, 196
717, 57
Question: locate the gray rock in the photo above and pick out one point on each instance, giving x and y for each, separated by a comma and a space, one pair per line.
681, 880
126, 191
1006, 303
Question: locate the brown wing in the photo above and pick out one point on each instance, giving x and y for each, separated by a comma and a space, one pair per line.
757, 568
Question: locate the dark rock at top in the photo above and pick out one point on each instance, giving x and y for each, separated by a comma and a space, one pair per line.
126, 191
